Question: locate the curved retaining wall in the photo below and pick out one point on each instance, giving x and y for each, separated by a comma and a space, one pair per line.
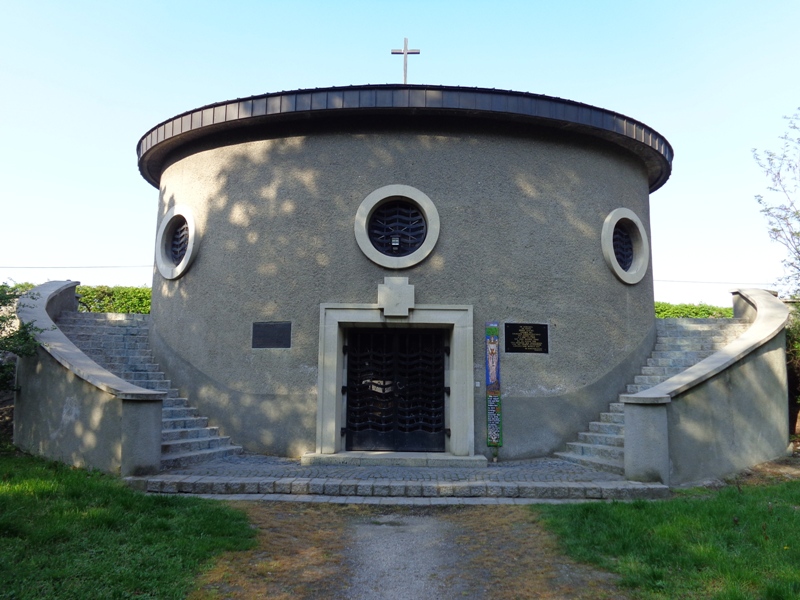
724, 414
71, 409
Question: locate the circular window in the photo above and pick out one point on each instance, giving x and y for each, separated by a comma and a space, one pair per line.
625, 246
175, 243
397, 226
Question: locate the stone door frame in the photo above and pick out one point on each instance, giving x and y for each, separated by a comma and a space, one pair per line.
335, 319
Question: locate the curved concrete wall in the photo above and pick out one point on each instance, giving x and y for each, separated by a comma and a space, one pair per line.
521, 219
724, 414
69, 408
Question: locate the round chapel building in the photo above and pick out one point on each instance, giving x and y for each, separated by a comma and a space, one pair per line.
454, 272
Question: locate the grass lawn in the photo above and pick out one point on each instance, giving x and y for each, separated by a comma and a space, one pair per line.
741, 542
70, 533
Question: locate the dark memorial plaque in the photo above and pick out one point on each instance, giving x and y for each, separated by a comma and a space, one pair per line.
277, 334
527, 337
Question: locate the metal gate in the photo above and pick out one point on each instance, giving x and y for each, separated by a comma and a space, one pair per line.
395, 390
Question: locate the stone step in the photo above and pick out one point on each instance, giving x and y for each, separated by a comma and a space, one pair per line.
105, 331
138, 367
136, 376
596, 451
703, 330
188, 423
102, 329
382, 490
649, 379
121, 355
635, 389
607, 428
183, 459
677, 354
175, 402
695, 336
171, 435
662, 371
676, 346
678, 363
616, 407
188, 446
154, 384
603, 439
96, 339
99, 340
699, 323
595, 462
105, 317
612, 417
184, 412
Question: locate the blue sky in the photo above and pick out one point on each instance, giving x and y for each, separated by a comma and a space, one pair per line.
82, 81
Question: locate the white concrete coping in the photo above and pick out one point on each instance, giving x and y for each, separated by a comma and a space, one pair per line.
771, 317
40, 307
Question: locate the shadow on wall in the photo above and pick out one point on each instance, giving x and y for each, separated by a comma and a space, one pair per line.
733, 421
275, 220
60, 416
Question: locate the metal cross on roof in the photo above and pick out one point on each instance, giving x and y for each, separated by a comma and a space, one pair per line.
405, 52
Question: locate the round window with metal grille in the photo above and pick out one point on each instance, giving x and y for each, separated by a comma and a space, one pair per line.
180, 240
176, 244
397, 227
625, 246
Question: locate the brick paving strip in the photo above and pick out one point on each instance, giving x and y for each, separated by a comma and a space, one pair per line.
257, 477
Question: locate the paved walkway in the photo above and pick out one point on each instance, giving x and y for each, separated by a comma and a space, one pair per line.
257, 477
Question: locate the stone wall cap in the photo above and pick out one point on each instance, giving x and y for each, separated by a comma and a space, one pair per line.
771, 317
32, 309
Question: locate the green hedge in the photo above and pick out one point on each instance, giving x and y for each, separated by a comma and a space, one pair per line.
103, 298
118, 299
665, 310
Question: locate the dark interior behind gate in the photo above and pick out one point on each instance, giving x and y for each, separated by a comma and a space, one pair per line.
395, 390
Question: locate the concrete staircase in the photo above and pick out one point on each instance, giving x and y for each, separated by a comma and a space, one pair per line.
680, 343
119, 343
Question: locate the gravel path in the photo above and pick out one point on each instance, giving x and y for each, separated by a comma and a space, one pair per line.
401, 556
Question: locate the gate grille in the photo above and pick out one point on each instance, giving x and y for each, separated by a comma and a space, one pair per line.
395, 390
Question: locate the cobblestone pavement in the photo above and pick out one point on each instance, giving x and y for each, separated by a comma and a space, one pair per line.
540, 469
269, 478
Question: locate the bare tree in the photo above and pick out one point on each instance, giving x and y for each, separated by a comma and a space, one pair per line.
779, 205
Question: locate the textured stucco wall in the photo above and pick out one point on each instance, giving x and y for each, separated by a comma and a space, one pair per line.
62, 417
521, 218
735, 420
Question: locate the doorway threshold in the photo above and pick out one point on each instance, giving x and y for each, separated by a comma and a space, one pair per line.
395, 459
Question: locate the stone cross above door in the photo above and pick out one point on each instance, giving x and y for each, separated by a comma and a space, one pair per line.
395, 296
